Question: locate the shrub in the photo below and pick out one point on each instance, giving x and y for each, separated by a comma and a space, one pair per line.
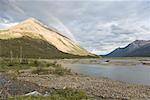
35, 63
53, 64
10, 64
48, 65
42, 67
55, 70
24, 61
62, 71
40, 71
60, 94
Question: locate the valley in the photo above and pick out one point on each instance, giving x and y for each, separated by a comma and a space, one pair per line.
74, 50
55, 75
48, 63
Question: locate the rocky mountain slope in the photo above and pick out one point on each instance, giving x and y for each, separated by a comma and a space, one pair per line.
138, 48
32, 34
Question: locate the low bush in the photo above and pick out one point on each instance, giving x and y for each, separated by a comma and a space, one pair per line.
41, 71
39, 67
62, 71
60, 94
57, 69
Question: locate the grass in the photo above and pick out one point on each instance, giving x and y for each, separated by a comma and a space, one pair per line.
1, 30
6, 65
52, 68
15, 64
60, 94
36, 66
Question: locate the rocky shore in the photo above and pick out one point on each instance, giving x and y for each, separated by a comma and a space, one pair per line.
100, 88
9, 86
112, 61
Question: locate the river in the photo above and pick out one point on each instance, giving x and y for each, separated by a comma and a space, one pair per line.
132, 74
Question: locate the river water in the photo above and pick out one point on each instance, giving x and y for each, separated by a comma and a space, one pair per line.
132, 74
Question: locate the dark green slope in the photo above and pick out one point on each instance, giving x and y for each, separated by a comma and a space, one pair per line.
31, 48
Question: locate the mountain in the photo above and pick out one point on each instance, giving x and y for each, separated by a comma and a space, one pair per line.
37, 40
138, 48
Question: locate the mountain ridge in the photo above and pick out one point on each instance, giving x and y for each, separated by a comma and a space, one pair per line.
138, 48
36, 30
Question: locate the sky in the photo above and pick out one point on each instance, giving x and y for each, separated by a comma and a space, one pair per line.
100, 26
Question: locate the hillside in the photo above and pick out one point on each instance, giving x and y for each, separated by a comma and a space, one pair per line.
37, 40
138, 48
31, 48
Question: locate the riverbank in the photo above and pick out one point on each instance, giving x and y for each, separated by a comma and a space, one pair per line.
100, 88
49, 74
108, 61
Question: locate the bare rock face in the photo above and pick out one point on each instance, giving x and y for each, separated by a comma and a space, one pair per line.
34, 29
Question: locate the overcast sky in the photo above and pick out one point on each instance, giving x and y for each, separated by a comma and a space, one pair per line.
99, 26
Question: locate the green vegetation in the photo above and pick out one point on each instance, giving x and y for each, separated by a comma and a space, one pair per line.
7, 64
41, 67
37, 67
52, 68
32, 48
3, 30
60, 94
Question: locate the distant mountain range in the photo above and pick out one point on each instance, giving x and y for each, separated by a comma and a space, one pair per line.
138, 48
35, 40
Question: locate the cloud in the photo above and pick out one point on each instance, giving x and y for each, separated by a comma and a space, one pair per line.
99, 26
4, 23
7, 25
